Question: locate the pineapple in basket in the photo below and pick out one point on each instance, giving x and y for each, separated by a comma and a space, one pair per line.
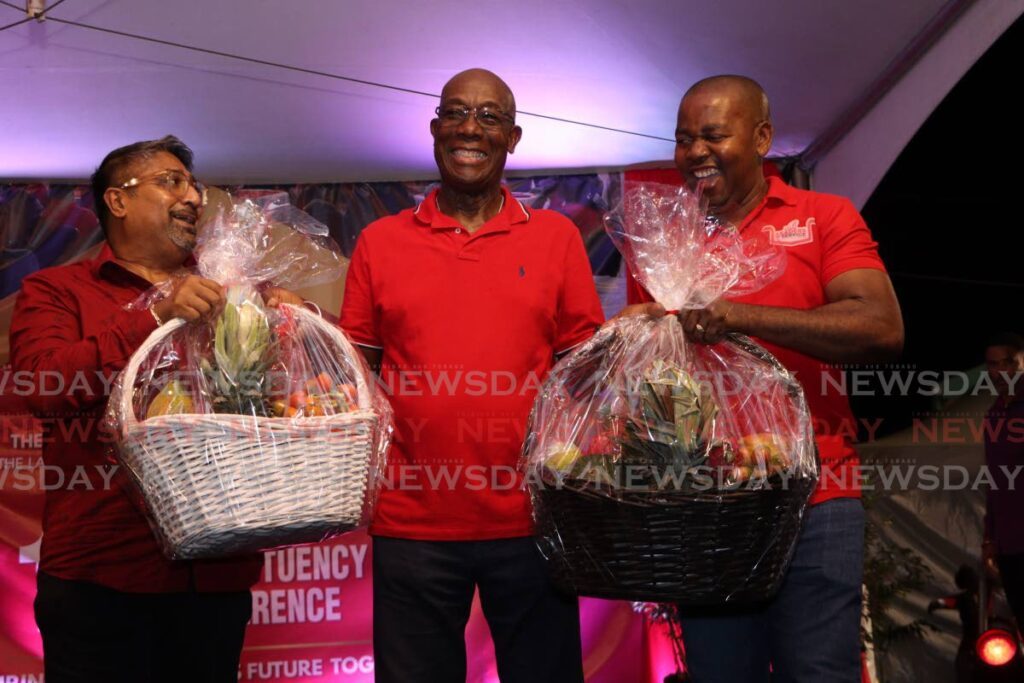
242, 355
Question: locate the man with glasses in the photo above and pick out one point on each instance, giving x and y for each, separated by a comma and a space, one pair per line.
463, 303
110, 606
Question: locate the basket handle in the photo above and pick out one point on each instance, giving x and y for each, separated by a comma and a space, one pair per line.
363, 394
758, 351
131, 370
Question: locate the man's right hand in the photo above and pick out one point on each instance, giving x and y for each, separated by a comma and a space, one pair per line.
191, 298
652, 310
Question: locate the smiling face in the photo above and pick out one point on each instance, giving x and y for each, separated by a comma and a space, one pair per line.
471, 157
722, 136
153, 215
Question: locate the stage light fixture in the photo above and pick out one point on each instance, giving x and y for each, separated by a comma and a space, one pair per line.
996, 647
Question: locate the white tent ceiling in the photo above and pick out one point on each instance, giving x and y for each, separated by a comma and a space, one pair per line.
69, 94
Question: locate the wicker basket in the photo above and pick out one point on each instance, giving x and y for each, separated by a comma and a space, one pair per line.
685, 546
218, 485
690, 548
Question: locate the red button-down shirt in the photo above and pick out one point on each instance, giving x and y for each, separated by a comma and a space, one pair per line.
71, 331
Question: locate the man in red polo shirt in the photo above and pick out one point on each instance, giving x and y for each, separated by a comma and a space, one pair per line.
110, 606
833, 304
464, 303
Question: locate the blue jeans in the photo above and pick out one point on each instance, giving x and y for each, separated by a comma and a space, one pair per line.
810, 632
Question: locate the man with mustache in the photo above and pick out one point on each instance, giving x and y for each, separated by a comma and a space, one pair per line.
469, 284
110, 606
833, 304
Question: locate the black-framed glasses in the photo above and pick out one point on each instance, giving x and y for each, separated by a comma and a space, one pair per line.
486, 116
177, 183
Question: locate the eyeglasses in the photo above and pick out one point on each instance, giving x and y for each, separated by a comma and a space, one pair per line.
487, 117
175, 182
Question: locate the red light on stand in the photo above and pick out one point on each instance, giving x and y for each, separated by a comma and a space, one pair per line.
996, 647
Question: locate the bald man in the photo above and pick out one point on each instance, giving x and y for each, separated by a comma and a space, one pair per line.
833, 304
463, 304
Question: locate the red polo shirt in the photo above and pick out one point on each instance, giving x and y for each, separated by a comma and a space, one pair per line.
823, 236
71, 335
469, 325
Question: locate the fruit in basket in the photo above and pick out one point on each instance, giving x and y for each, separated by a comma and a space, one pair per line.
762, 453
320, 383
350, 395
317, 397
721, 455
242, 354
562, 457
671, 420
173, 399
601, 444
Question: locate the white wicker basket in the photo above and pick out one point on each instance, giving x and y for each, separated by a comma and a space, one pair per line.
218, 485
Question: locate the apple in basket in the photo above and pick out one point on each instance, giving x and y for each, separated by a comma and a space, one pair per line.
602, 443
721, 455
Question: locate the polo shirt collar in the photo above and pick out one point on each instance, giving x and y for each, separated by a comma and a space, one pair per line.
779, 192
105, 266
512, 213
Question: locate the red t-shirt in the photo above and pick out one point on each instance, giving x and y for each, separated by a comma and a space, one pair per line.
71, 332
469, 325
823, 236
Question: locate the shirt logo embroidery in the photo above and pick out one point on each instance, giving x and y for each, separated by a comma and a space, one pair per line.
522, 271
792, 234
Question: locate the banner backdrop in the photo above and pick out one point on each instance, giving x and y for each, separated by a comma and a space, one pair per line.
312, 608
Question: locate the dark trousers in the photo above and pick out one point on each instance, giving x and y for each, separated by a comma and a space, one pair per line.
1011, 571
422, 594
810, 632
93, 634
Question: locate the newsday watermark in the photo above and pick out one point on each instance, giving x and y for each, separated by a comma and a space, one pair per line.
52, 393
705, 478
504, 428
448, 381
498, 478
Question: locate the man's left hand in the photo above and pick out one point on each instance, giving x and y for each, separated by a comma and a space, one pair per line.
707, 325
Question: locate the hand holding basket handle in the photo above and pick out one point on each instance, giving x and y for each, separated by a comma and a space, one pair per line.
191, 298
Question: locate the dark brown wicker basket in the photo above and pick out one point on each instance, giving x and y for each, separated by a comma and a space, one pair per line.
705, 548
691, 547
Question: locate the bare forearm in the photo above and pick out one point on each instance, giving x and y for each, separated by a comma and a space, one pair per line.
847, 331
